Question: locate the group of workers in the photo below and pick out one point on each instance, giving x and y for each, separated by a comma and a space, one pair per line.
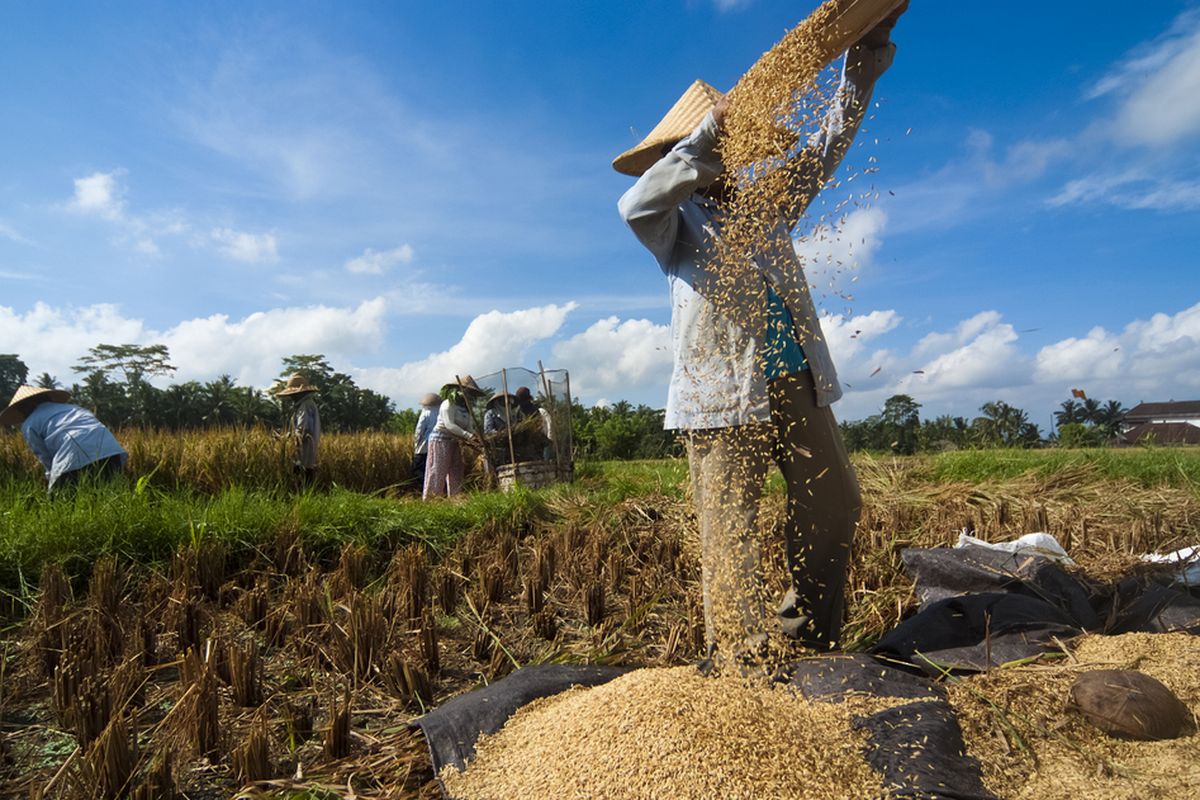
514, 429
72, 444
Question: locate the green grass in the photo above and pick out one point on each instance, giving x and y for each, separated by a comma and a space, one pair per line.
1158, 466
147, 526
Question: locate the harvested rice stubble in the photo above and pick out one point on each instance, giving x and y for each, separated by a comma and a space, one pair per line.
1074, 759
670, 733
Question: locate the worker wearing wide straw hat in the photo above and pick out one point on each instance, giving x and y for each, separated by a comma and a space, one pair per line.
455, 426
430, 403
753, 379
69, 441
305, 428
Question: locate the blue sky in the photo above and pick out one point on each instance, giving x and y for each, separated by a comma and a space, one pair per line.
420, 189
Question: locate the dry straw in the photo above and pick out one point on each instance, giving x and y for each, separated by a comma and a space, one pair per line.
1031, 744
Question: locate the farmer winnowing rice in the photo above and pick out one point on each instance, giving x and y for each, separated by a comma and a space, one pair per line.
455, 425
69, 441
753, 378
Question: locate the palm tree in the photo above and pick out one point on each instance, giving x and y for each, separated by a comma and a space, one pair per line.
1110, 416
1069, 411
1091, 408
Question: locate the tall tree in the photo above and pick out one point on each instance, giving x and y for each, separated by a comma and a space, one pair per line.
13, 373
901, 423
1110, 416
1069, 411
1003, 425
134, 362
47, 381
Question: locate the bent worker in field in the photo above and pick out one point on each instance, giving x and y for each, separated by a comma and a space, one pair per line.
72, 445
753, 379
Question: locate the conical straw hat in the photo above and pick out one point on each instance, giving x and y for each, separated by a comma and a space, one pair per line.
682, 119
296, 384
467, 384
25, 392
430, 399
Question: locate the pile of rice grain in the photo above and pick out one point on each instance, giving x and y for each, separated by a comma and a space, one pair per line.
671, 733
1032, 745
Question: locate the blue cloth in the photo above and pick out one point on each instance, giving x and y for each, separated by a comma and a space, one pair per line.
781, 353
425, 422
66, 438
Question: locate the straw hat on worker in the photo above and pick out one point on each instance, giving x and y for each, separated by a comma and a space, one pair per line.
296, 384
466, 384
680, 121
25, 398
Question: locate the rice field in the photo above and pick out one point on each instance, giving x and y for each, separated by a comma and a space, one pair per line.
191, 631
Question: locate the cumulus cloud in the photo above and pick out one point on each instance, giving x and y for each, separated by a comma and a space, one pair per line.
373, 262
623, 358
99, 193
979, 352
491, 341
250, 348
1096, 355
252, 248
52, 339
831, 253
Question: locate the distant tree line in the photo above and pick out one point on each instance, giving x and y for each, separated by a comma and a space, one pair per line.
898, 427
114, 382
621, 431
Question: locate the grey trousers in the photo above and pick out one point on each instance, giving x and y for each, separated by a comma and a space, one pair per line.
728, 467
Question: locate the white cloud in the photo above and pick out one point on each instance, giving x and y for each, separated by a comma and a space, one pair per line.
1132, 189
1096, 356
253, 248
979, 353
52, 339
250, 349
731, 5
99, 193
12, 234
623, 358
373, 262
491, 341
831, 253
1157, 84
847, 337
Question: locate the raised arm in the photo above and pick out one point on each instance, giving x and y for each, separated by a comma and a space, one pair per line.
815, 164
649, 208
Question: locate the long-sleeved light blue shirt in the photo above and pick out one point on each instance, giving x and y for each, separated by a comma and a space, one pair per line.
425, 422
66, 438
718, 378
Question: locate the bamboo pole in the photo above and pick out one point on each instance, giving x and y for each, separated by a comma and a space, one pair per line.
512, 452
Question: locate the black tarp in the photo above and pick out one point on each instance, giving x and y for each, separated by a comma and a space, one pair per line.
980, 608
453, 728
